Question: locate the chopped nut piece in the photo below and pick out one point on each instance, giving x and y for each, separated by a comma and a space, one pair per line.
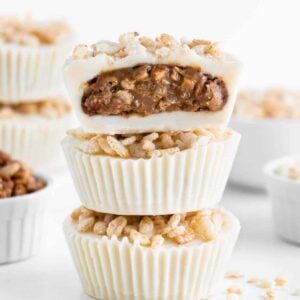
10, 169
128, 84
125, 97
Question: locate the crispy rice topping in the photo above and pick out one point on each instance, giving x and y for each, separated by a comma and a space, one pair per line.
152, 231
29, 32
145, 145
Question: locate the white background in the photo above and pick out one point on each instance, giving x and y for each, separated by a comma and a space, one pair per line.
264, 34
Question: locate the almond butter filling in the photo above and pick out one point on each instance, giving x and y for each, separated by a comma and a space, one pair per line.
150, 89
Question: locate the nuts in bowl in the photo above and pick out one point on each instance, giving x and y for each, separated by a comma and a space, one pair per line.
269, 122
23, 200
283, 185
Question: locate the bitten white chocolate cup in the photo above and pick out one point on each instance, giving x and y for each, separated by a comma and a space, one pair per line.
78, 71
35, 140
22, 222
186, 181
28, 73
117, 269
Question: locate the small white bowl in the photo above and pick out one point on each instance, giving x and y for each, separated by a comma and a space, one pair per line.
262, 140
285, 196
22, 220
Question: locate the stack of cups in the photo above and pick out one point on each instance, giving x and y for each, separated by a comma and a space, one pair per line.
150, 164
33, 114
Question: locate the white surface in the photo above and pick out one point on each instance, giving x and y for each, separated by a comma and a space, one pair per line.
51, 274
262, 33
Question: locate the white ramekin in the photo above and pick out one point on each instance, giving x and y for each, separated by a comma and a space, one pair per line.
186, 181
35, 140
117, 269
22, 222
31, 72
262, 141
285, 197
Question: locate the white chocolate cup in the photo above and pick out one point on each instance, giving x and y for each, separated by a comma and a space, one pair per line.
28, 73
35, 140
114, 269
186, 181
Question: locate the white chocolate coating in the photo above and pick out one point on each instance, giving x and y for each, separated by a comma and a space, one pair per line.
78, 71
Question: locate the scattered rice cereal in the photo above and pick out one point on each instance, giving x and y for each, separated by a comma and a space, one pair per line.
234, 275
234, 290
